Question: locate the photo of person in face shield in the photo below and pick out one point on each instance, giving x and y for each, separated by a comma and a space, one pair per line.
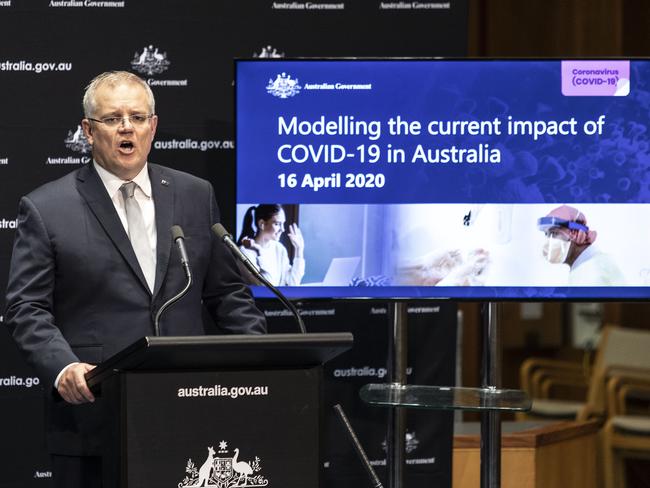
570, 241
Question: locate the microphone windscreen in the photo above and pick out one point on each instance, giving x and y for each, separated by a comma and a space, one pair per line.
177, 232
220, 231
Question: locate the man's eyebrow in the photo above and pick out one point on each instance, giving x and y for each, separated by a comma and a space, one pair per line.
119, 113
110, 114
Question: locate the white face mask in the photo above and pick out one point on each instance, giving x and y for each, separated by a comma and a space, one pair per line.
556, 250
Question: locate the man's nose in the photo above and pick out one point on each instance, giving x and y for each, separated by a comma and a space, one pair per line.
126, 123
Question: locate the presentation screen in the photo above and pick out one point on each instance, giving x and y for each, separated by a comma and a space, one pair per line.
459, 179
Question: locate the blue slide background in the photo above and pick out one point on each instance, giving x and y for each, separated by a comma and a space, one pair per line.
611, 168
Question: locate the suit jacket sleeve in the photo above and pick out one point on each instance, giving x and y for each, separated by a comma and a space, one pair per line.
29, 305
225, 295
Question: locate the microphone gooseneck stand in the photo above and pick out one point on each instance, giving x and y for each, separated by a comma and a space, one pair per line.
223, 235
169, 303
178, 237
285, 301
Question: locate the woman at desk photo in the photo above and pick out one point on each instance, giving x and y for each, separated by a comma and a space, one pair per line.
260, 241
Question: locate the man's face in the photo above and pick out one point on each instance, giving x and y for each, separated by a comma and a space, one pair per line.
121, 150
557, 245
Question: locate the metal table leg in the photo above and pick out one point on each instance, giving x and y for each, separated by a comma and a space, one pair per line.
396, 429
490, 420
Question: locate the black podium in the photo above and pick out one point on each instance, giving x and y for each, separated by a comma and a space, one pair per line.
220, 411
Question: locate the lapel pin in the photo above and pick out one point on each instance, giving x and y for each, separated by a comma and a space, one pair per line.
165, 182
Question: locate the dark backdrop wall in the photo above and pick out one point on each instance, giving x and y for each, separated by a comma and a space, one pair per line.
50, 49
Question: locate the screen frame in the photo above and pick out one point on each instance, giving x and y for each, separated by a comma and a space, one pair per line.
409, 293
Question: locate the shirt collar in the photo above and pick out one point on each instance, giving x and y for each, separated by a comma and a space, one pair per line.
113, 183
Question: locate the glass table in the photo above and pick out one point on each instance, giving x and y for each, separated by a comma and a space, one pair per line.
445, 398
490, 400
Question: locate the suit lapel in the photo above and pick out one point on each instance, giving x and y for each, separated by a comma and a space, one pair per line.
92, 189
162, 188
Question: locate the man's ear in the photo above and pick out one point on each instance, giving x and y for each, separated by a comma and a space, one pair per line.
88, 130
579, 237
154, 125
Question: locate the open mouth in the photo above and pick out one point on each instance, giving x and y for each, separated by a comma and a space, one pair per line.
126, 147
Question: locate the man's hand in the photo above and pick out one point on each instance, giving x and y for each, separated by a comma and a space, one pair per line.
72, 384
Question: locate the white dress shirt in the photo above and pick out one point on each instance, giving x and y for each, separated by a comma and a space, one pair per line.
142, 195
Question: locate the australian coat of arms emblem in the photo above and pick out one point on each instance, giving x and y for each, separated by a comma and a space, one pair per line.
150, 61
283, 86
77, 142
221, 470
269, 52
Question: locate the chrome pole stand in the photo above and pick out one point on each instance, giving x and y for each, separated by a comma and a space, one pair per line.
488, 399
490, 419
397, 364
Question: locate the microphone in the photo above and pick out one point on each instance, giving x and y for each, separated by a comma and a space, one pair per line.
223, 235
179, 238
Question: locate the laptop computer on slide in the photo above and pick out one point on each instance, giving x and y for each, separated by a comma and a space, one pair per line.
339, 273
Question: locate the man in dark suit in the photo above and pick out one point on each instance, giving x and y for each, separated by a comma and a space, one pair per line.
93, 261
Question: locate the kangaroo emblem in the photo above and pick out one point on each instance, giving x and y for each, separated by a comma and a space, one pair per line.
206, 469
